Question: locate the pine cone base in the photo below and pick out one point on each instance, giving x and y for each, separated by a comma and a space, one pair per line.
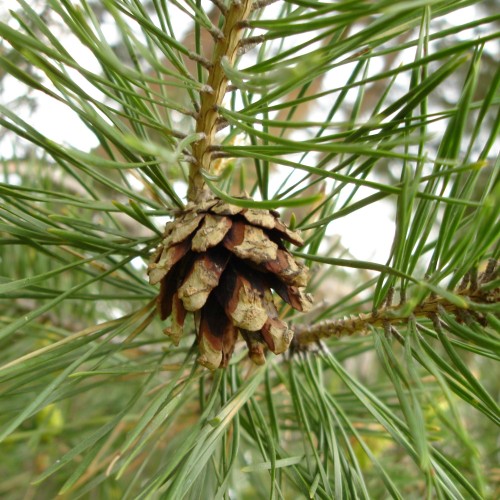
220, 262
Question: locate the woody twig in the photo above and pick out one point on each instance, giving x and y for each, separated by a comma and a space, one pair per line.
361, 324
226, 47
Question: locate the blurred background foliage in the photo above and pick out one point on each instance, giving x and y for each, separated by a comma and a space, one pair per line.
387, 113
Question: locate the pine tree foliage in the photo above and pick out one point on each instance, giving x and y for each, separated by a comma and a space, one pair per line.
319, 111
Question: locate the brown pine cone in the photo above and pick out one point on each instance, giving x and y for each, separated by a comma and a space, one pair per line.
220, 262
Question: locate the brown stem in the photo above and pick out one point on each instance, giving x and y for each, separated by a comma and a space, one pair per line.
211, 98
388, 315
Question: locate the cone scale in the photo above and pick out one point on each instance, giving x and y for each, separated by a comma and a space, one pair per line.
221, 263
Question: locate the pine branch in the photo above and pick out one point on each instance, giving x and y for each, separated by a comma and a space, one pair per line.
470, 290
226, 47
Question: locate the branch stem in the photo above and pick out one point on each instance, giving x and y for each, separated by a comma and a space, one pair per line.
391, 315
215, 89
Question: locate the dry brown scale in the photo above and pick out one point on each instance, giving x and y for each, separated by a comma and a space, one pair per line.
220, 262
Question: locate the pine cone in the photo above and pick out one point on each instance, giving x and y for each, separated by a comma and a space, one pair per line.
220, 262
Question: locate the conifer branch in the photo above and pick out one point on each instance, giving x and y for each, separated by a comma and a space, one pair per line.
259, 4
200, 59
225, 47
389, 315
249, 43
220, 5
